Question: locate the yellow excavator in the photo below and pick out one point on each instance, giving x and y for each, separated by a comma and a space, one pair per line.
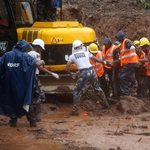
18, 21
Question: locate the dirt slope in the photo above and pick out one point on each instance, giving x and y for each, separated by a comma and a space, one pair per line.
107, 17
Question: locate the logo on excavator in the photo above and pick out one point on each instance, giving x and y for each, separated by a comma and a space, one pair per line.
3, 45
57, 40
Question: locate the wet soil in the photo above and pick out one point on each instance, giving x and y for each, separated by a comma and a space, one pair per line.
94, 129
63, 88
107, 17
125, 126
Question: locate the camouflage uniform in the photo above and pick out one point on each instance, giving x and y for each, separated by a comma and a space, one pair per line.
90, 76
46, 10
40, 10
31, 114
39, 96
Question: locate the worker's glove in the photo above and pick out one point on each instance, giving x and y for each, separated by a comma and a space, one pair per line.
132, 48
73, 75
106, 63
55, 75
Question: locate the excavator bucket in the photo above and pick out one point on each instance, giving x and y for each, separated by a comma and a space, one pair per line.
63, 86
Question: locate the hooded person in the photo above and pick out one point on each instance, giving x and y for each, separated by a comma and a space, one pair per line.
110, 54
128, 63
86, 74
17, 70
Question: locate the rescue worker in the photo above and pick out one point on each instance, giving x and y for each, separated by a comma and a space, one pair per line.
99, 68
87, 73
17, 70
39, 95
110, 54
140, 71
46, 10
128, 63
145, 46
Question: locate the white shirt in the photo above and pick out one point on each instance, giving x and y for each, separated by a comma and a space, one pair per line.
81, 59
37, 57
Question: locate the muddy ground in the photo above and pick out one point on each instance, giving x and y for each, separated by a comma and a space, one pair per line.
126, 126
110, 129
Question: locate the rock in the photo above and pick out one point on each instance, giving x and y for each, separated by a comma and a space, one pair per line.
131, 105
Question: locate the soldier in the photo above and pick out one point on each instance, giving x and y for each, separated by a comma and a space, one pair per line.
39, 95
87, 73
46, 10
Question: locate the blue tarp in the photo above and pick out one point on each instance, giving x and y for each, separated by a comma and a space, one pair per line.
17, 69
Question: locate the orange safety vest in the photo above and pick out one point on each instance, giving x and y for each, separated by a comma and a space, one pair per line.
126, 55
98, 66
142, 56
142, 68
147, 64
108, 55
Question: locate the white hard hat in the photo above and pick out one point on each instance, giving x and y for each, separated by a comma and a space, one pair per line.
39, 42
76, 43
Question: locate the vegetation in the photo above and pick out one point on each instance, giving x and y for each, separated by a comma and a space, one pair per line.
146, 4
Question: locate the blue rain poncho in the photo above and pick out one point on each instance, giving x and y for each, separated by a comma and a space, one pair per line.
17, 69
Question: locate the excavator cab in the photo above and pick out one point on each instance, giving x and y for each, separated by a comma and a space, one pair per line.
23, 13
18, 21
14, 14
8, 32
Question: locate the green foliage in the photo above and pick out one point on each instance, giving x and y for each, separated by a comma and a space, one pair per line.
138, 2
146, 5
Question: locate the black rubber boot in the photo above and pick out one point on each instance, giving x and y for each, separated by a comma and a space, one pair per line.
13, 122
32, 124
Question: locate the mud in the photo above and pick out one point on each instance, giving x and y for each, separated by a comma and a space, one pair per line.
63, 88
107, 17
58, 130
